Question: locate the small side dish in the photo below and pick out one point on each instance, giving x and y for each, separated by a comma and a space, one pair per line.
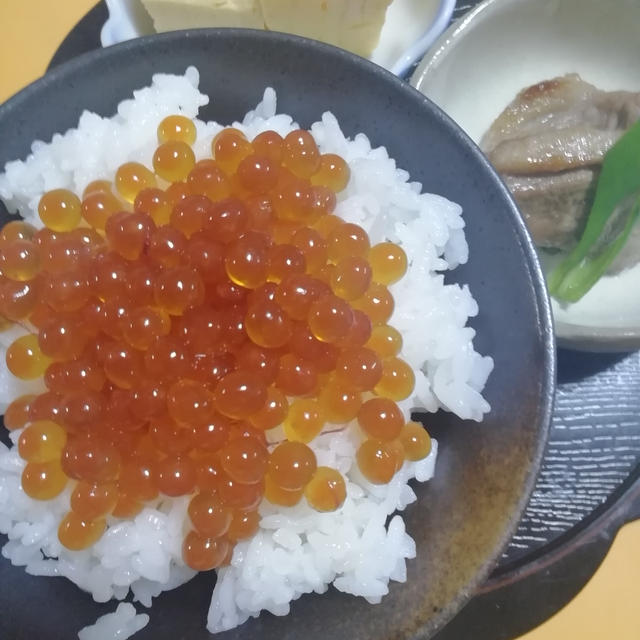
391, 33
580, 58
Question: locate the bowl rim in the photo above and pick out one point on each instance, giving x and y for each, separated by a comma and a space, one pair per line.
546, 388
449, 36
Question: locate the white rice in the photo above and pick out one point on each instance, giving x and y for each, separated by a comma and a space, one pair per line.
296, 550
119, 625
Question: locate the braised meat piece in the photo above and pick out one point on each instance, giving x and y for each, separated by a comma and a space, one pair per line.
548, 145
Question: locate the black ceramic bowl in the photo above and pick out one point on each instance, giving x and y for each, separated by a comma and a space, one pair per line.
485, 472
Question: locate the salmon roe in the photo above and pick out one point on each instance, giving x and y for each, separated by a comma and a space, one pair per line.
184, 313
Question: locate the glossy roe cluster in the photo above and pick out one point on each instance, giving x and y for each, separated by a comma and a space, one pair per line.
179, 313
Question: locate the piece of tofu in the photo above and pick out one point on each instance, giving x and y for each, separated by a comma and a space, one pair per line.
168, 15
351, 24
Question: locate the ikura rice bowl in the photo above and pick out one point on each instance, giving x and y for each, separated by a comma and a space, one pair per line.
291, 550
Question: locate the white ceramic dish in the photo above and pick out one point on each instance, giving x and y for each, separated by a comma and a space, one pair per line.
411, 27
479, 64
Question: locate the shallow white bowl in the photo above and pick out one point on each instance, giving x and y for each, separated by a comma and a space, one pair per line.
481, 62
411, 27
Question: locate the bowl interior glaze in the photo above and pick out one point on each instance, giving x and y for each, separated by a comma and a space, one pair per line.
485, 472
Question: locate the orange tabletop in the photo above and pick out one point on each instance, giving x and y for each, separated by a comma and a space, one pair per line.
608, 605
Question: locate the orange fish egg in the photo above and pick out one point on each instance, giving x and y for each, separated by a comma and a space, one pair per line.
296, 376
16, 230
98, 207
300, 153
247, 260
173, 160
381, 419
258, 173
326, 491
127, 507
18, 299
60, 210
351, 277
16, 415
275, 494
155, 203
291, 465
189, 214
62, 338
347, 241
90, 458
209, 516
190, 402
167, 247
212, 434
270, 145
42, 441
292, 200
304, 344
97, 186
177, 127
178, 289
244, 460
273, 412
229, 148
339, 401
359, 367
207, 178
175, 475
385, 340
285, 260
415, 441
227, 220
43, 480
20, 260
304, 420
297, 292
170, 437
333, 172
267, 325
360, 330
397, 380
90, 501
129, 233
260, 212
240, 394
377, 460
388, 262
67, 291
131, 179
237, 495
259, 360
313, 247
202, 553
243, 524
25, 359
123, 365
377, 303
76, 534
330, 318
137, 477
